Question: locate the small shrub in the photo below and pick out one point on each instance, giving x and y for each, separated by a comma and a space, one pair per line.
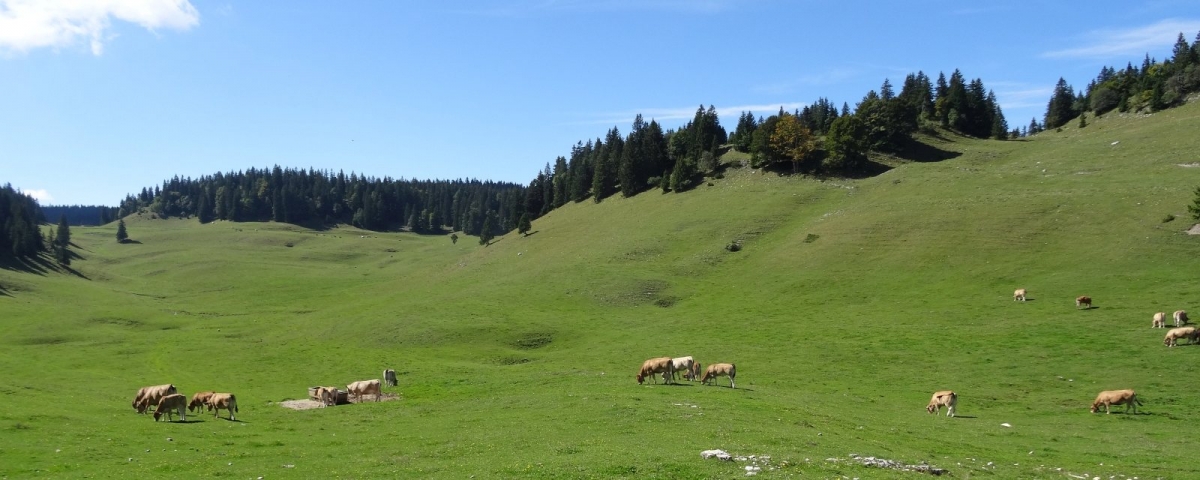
812, 237
289, 244
1168, 218
734, 246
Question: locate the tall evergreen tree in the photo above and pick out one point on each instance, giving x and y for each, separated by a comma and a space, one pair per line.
122, 234
1059, 110
63, 233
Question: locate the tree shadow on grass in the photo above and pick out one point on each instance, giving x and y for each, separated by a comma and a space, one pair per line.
923, 152
37, 265
4, 292
965, 416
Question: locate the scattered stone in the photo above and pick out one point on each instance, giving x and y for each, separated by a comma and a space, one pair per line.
895, 465
1007, 425
718, 454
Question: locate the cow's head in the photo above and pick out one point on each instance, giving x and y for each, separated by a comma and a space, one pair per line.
639, 378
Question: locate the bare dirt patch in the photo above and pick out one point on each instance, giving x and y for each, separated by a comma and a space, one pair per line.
309, 404
1195, 230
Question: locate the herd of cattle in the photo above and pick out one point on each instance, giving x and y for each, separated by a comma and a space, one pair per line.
1126, 397
166, 399
668, 367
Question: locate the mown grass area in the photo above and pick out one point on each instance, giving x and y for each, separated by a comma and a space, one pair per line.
849, 304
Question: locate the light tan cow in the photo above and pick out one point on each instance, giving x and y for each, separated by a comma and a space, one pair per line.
1116, 397
682, 364
1174, 334
147, 397
1019, 295
217, 401
653, 366
327, 396
1180, 317
199, 401
720, 370
1159, 321
169, 404
364, 387
1083, 301
944, 398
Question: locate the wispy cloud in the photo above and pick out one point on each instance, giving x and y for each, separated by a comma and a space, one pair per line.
831, 76
29, 24
41, 195
1127, 42
677, 115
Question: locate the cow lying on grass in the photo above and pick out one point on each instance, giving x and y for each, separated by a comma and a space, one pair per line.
170, 404
147, 397
1116, 397
653, 366
944, 398
720, 370
1174, 334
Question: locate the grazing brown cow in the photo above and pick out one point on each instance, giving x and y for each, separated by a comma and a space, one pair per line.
1083, 301
147, 397
1159, 321
364, 387
1019, 295
1181, 318
1174, 334
169, 404
1116, 397
944, 398
199, 401
650, 367
720, 370
223, 400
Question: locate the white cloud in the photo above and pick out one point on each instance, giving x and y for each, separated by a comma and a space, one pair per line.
1134, 41
41, 195
30, 24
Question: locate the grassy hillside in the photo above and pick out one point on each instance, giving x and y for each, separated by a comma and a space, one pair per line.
851, 302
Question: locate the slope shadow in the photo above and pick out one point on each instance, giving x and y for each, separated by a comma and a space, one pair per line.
37, 265
923, 152
4, 292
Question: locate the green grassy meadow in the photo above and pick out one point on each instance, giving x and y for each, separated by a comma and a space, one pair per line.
849, 304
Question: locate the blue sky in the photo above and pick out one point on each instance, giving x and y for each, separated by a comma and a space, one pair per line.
100, 98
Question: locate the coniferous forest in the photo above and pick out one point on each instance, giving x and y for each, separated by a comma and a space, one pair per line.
819, 139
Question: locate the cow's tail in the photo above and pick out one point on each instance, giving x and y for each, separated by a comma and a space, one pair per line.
233, 400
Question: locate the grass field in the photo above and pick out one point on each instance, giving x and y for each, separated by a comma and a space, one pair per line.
850, 303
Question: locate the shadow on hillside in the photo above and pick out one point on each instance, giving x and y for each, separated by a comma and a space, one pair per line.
923, 152
964, 416
37, 265
130, 241
4, 292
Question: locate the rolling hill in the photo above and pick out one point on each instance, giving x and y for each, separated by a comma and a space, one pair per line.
848, 304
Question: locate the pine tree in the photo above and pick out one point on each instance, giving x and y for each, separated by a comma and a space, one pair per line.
1194, 208
63, 234
122, 234
1059, 110
485, 234
1082, 120
523, 225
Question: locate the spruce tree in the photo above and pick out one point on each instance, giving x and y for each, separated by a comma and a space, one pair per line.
122, 234
63, 234
485, 234
523, 225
